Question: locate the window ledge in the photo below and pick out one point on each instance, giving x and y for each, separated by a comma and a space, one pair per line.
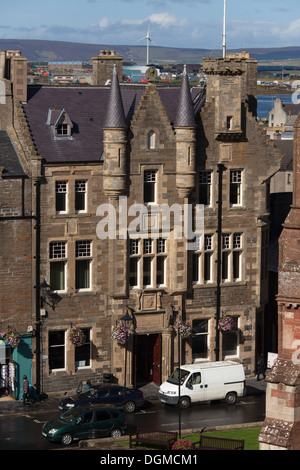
237, 207
223, 284
66, 215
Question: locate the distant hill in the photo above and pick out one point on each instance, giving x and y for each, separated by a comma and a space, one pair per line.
36, 50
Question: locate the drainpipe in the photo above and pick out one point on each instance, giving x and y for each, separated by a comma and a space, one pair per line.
221, 168
38, 283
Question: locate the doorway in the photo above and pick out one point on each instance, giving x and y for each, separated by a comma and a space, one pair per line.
148, 358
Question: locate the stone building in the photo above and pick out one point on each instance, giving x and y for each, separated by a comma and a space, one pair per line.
281, 429
18, 224
118, 160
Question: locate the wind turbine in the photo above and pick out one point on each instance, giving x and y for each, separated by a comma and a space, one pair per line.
147, 37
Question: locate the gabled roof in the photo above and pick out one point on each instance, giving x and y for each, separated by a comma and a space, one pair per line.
56, 115
87, 108
291, 109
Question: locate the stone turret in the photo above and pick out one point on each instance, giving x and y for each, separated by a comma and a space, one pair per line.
231, 82
103, 65
185, 127
115, 142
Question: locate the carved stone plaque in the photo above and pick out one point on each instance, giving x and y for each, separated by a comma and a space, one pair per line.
149, 302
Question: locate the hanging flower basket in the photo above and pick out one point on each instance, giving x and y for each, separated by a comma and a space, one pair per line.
226, 323
76, 336
119, 334
183, 445
11, 337
183, 328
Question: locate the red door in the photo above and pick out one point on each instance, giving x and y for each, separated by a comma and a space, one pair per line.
157, 361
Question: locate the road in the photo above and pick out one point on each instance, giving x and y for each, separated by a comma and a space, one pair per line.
24, 432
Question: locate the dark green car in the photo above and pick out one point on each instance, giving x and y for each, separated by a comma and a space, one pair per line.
87, 422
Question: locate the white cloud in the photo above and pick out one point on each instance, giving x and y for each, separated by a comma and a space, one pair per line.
164, 20
103, 23
293, 29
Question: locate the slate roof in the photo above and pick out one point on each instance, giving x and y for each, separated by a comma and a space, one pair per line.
185, 116
115, 117
286, 147
87, 108
292, 109
9, 158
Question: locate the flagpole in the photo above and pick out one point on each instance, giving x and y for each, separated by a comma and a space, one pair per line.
224, 31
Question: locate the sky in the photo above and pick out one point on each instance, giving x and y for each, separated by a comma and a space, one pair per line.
173, 23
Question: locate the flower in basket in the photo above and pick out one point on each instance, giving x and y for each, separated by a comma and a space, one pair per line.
11, 337
183, 328
226, 323
77, 336
119, 334
184, 444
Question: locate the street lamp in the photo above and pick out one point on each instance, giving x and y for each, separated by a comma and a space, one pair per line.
126, 322
179, 384
43, 296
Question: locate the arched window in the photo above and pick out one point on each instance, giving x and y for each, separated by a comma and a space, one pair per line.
151, 140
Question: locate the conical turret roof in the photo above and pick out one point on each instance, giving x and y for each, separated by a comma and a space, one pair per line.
115, 116
185, 112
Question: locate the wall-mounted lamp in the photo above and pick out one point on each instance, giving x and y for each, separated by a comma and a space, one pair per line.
48, 297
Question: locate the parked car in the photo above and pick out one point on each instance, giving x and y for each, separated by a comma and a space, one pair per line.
84, 423
107, 393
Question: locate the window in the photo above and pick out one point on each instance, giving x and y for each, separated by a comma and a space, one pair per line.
230, 342
56, 350
237, 256
232, 257
62, 129
134, 263
83, 354
102, 416
147, 263
151, 140
161, 262
203, 261
80, 196
57, 266
83, 265
205, 185
61, 196
229, 122
150, 186
200, 339
235, 187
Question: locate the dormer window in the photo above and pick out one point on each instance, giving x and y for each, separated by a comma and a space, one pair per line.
62, 129
60, 123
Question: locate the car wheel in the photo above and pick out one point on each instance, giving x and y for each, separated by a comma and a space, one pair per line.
231, 398
130, 407
184, 402
66, 439
116, 433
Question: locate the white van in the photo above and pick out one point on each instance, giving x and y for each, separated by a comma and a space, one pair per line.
203, 382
